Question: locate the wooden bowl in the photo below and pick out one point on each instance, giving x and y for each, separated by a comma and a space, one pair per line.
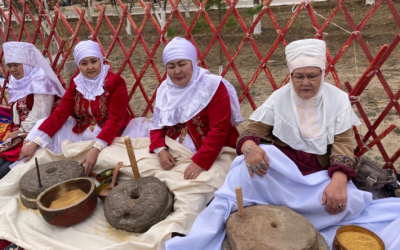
74, 213
337, 245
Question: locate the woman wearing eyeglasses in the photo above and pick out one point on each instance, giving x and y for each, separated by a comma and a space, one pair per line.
310, 121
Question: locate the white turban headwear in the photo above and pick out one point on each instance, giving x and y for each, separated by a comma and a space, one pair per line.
176, 104
39, 77
309, 125
306, 53
90, 87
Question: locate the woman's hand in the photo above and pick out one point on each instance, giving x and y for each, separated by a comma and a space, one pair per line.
256, 158
192, 171
166, 159
90, 160
335, 194
12, 134
28, 151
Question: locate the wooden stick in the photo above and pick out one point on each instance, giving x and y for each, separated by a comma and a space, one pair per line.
132, 159
239, 199
38, 173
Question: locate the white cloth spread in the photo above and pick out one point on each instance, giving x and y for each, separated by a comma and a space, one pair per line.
175, 104
284, 185
26, 227
90, 87
308, 125
39, 77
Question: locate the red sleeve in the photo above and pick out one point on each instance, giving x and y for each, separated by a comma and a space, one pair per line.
116, 111
157, 139
219, 116
60, 115
245, 138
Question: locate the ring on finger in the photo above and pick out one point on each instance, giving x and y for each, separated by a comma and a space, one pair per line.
264, 165
248, 166
258, 166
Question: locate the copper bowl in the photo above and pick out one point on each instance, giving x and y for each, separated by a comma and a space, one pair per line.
337, 245
74, 213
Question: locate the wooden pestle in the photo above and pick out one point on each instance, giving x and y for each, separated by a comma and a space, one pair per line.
132, 158
239, 199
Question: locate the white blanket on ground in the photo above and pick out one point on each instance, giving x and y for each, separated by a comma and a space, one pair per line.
27, 228
284, 185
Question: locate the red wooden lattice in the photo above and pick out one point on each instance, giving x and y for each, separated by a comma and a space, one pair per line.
8, 34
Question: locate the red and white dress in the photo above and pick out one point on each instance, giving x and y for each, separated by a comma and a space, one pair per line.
80, 119
25, 113
204, 125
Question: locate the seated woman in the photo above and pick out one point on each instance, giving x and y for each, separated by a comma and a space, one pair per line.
195, 108
34, 90
94, 107
309, 122
313, 127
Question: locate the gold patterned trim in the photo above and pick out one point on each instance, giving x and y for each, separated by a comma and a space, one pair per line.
38, 141
98, 146
263, 140
342, 160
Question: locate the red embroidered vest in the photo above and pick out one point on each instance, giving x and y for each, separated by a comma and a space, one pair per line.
81, 111
24, 107
197, 128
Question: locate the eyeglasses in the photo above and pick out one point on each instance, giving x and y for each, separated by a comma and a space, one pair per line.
310, 77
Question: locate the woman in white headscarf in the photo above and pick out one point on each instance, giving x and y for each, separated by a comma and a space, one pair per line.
94, 107
310, 162
309, 120
34, 90
195, 108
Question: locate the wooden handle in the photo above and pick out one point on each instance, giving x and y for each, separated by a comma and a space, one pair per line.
115, 174
132, 159
239, 199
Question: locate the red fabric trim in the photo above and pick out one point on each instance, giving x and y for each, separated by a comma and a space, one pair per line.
157, 139
239, 145
5, 243
342, 168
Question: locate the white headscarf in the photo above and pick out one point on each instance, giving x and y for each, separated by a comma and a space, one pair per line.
176, 104
90, 87
308, 125
39, 77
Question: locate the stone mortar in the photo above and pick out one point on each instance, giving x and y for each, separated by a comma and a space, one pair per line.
272, 227
51, 174
136, 206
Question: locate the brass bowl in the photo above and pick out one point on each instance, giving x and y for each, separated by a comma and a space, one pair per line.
74, 213
337, 245
101, 187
